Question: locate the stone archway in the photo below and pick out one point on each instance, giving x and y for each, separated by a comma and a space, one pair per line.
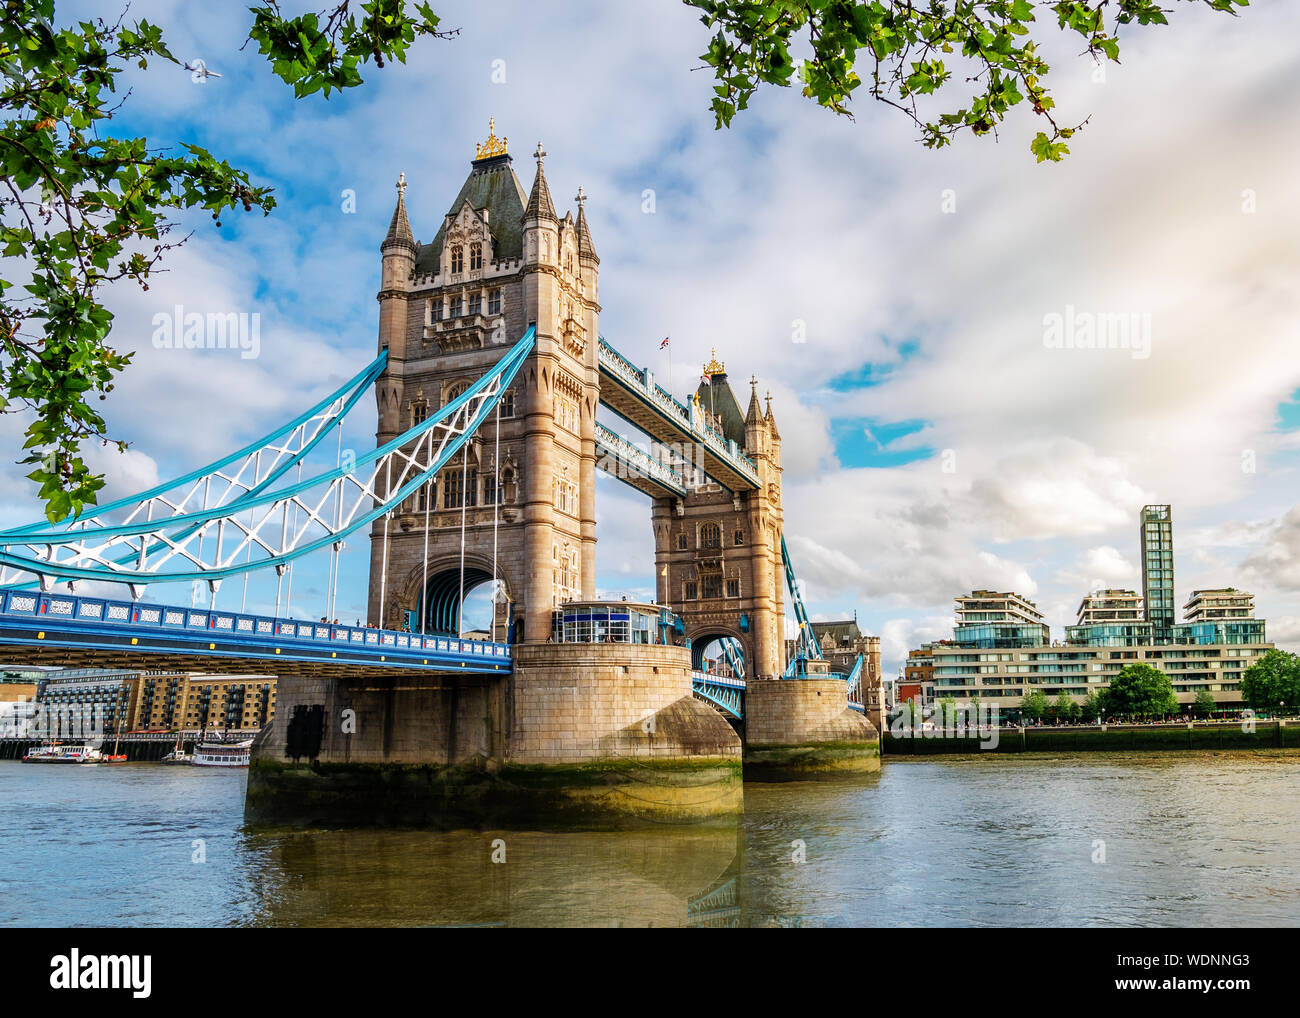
702, 637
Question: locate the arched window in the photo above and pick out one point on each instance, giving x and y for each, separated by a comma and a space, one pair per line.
457, 259
710, 536
476, 255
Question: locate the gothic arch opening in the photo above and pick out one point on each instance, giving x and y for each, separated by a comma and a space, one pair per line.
446, 613
709, 653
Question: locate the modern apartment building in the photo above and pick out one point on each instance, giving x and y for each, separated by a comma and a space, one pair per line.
1220, 605
1156, 537
1002, 649
987, 618
1110, 618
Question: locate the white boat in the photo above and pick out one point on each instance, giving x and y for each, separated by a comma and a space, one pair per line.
223, 754
54, 752
178, 754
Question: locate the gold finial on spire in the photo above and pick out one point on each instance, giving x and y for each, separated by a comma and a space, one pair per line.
494, 146
715, 367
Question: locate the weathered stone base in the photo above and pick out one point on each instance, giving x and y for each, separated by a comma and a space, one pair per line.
811, 761
601, 795
580, 737
802, 729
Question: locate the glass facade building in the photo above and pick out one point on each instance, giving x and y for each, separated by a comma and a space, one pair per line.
1157, 541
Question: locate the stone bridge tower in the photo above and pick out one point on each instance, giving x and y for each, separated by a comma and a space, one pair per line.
501, 260
718, 554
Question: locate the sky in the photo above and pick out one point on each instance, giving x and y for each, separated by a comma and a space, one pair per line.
900, 304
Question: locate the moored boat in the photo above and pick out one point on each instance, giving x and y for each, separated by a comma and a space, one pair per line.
223, 754
56, 752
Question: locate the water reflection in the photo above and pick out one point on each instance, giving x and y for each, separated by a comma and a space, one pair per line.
672, 877
1172, 840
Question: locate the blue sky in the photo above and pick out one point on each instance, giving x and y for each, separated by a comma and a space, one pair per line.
932, 441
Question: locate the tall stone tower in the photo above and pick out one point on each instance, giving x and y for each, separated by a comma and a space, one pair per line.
500, 261
718, 554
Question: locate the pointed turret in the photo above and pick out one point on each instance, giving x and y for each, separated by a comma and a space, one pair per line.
770, 420
586, 249
399, 230
540, 205
754, 415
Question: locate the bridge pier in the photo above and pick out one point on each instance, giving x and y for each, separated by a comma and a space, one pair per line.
581, 735
801, 729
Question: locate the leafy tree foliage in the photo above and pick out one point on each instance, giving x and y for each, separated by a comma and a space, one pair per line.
1205, 704
903, 51
1092, 708
82, 207
1064, 708
1034, 705
1140, 691
1273, 680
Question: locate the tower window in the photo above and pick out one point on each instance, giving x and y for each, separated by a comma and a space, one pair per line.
508, 403
457, 259
739, 538
692, 591
454, 306
733, 588
476, 256
710, 536
435, 307
475, 303
494, 302
681, 542
712, 586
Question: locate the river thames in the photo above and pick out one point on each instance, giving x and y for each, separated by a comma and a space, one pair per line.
1085, 840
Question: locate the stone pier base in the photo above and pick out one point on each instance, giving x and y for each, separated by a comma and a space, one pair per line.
801, 729
582, 736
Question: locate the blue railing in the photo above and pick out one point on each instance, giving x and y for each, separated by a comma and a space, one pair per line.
258, 631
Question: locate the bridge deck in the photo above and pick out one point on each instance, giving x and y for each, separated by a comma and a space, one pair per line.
621, 459
54, 629
632, 393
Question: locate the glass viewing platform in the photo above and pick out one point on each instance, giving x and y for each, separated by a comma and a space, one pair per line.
615, 622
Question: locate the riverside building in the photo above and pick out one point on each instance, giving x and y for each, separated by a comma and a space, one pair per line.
1002, 648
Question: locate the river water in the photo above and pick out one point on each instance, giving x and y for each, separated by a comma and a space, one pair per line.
1162, 840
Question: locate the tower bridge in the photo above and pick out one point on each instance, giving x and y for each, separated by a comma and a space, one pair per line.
490, 371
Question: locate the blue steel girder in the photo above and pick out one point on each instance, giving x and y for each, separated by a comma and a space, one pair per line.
633, 395
806, 647
728, 695
326, 508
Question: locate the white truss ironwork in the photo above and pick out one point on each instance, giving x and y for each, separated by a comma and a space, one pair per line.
239, 524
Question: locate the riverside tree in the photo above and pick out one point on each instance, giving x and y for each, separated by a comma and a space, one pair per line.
1140, 690
1092, 707
1273, 680
902, 53
1205, 704
1064, 708
83, 207
1035, 705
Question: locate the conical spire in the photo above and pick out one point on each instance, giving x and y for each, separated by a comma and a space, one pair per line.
399, 230
753, 415
540, 205
771, 421
586, 249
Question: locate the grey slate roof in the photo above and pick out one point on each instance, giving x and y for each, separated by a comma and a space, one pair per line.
717, 398
491, 185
